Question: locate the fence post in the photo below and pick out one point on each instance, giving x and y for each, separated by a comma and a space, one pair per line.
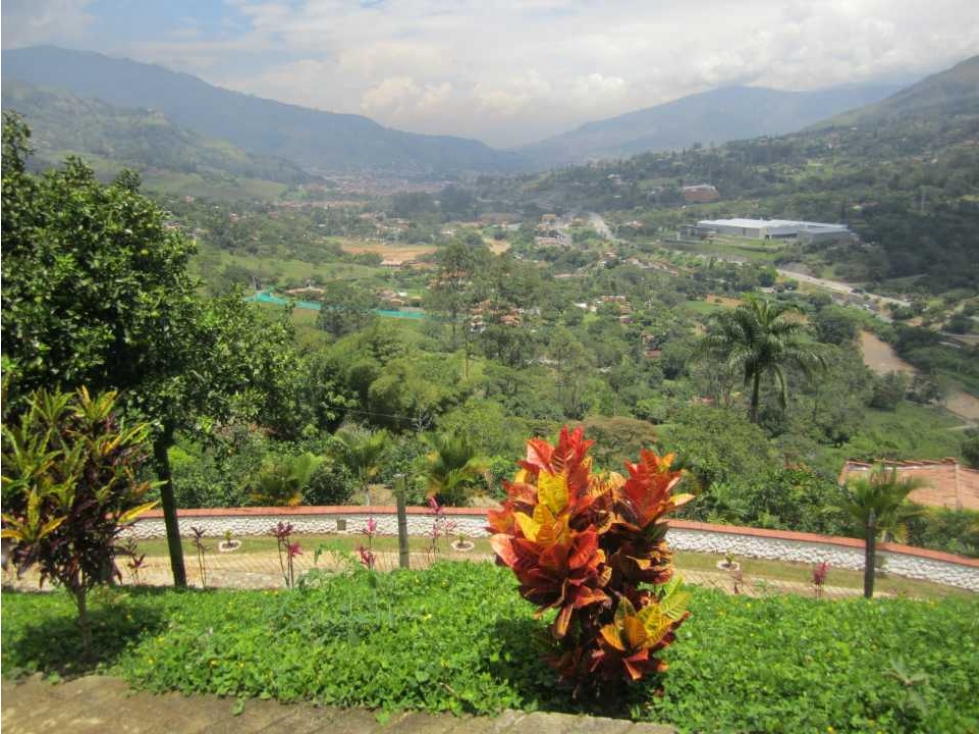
399, 493
870, 556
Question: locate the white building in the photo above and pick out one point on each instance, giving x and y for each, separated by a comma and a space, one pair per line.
769, 229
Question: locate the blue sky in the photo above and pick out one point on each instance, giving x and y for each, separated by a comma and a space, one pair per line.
508, 71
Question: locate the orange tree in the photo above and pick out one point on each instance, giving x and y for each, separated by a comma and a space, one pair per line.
592, 547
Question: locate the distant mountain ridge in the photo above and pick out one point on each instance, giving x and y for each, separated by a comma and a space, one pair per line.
954, 91
715, 116
144, 140
322, 142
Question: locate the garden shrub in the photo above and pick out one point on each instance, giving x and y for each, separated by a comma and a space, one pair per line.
70, 485
590, 546
331, 484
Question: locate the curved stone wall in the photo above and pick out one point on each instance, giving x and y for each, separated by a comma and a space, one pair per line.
779, 545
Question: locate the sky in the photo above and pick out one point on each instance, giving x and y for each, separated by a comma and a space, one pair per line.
508, 72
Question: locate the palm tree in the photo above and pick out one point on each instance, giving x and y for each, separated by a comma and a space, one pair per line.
282, 484
362, 452
757, 339
876, 501
452, 467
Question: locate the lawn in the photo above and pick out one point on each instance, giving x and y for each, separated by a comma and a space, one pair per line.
459, 638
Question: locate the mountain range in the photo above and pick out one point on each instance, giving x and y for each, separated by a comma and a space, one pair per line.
146, 115
319, 141
715, 116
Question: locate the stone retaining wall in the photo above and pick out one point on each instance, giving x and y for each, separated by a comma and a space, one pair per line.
778, 545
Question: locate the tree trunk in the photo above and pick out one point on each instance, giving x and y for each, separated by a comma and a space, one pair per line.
870, 556
169, 502
755, 393
403, 552
81, 602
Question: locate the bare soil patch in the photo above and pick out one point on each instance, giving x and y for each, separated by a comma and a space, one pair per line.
880, 357
399, 253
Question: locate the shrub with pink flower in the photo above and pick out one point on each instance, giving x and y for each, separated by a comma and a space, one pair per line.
820, 572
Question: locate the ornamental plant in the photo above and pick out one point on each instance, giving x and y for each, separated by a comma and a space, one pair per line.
71, 484
593, 547
287, 551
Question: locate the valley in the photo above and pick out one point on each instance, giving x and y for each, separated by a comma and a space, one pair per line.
389, 367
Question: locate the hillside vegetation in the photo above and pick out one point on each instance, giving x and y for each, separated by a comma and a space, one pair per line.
317, 140
141, 139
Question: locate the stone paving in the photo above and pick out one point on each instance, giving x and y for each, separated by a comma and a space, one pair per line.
97, 704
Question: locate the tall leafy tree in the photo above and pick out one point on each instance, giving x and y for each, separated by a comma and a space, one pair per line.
876, 502
346, 308
96, 293
759, 339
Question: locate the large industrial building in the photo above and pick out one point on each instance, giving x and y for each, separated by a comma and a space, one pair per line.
770, 229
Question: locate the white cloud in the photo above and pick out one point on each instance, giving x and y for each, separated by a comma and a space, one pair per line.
512, 71
28, 22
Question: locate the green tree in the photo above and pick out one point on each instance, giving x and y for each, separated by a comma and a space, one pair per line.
96, 293
836, 325
452, 468
451, 294
346, 308
70, 485
758, 340
362, 453
875, 500
572, 365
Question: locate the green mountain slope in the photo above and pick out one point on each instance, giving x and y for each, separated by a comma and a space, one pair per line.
954, 91
730, 113
323, 142
147, 141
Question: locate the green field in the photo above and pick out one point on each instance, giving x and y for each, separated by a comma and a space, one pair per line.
726, 247
284, 272
910, 432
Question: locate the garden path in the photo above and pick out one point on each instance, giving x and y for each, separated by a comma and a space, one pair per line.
96, 704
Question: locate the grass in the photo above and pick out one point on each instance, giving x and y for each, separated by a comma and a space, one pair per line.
753, 251
911, 431
754, 569
300, 270
703, 308
459, 638
762, 569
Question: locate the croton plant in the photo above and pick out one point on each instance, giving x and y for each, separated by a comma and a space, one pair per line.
592, 546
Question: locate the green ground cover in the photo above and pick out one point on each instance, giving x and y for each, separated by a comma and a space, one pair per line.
729, 247
909, 431
459, 638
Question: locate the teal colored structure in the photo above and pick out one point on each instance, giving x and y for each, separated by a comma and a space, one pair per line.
269, 297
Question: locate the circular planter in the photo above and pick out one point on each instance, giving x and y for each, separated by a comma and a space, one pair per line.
227, 546
725, 566
462, 545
